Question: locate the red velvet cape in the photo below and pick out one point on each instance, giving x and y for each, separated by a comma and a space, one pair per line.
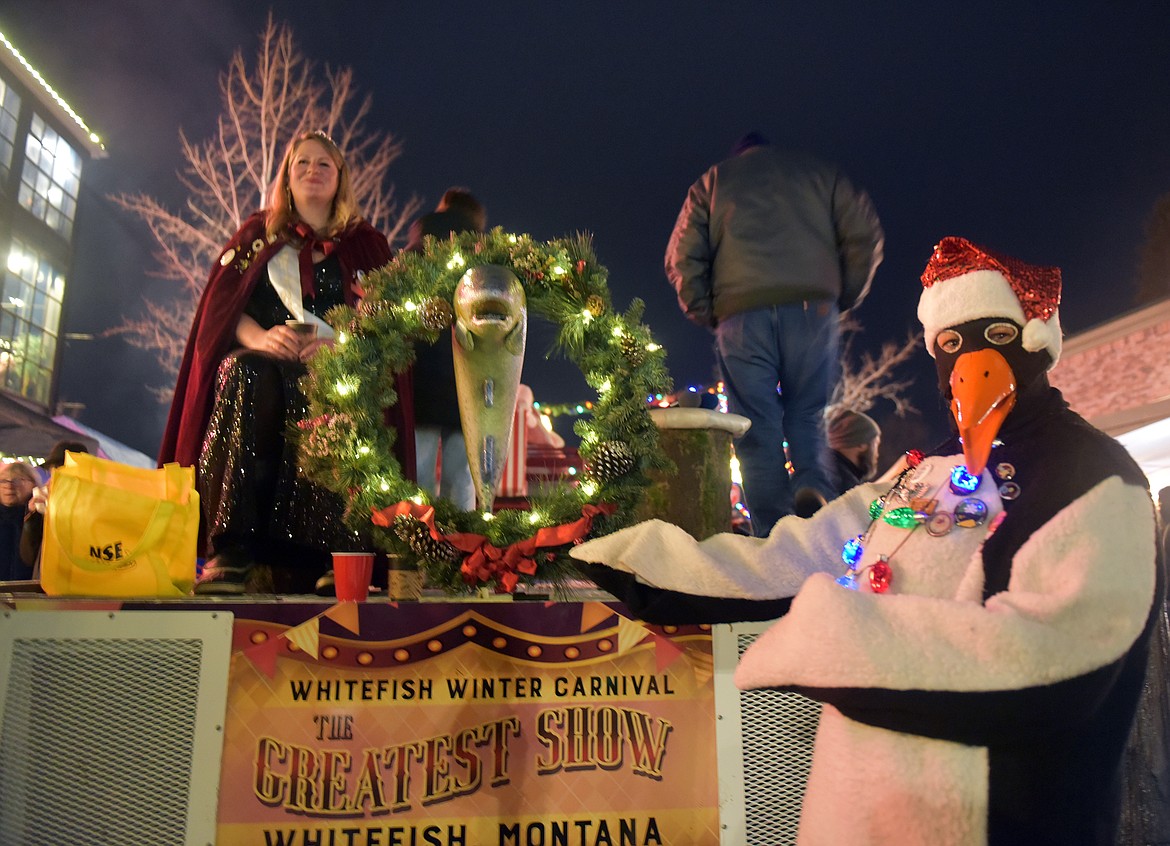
213, 334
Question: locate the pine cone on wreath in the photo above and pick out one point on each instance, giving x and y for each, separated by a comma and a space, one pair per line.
405, 527
417, 536
372, 308
632, 349
595, 305
610, 460
436, 314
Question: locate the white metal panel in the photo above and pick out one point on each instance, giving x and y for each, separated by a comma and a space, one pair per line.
111, 725
765, 741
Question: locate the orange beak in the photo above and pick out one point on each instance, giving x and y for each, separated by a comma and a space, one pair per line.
983, 393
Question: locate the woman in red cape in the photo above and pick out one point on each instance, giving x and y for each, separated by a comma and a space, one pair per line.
237, 392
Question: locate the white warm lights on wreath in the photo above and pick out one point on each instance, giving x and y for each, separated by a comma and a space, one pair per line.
346, 447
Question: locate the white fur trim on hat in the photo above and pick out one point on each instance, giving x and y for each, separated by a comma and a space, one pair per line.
983, 294
1044, 335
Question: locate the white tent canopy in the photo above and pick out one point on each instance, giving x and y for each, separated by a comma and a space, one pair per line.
107, 447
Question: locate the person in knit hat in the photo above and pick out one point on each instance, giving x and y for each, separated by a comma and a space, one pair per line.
977, 631
854, 437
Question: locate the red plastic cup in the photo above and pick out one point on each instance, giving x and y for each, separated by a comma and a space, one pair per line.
351, 575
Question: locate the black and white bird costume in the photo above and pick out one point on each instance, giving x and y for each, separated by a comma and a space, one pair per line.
980, 649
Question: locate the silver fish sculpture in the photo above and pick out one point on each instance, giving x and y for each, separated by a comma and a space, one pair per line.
488, 339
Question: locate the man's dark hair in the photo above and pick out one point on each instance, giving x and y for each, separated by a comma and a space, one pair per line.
56, 456
462, 200
752, 139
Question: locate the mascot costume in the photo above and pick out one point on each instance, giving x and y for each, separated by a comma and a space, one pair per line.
977, 631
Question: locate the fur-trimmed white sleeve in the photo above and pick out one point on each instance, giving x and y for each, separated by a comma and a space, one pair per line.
733, 566
1078, 597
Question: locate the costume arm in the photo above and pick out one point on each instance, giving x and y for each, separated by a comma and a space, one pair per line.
689, 255
665, 575
860, 241
1079, 596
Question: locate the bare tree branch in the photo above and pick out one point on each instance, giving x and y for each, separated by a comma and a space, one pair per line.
227, 176
864, 382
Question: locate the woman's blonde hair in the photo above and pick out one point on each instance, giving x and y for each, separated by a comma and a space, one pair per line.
19, 468
281, 212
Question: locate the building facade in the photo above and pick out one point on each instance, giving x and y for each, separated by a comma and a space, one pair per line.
1117, 375
44, 146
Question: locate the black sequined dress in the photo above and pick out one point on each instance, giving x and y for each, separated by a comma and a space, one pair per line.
254, 499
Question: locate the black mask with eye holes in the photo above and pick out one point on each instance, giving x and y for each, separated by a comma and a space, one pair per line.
1002, 335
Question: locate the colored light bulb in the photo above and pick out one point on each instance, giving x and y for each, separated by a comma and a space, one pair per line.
880, 576
963, 481
851, 552
902, 518
847, 581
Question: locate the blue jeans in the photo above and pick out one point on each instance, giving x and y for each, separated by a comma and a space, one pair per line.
454, 473
779, 365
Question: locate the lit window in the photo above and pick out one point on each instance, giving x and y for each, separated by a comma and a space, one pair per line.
9, 110
30, 317
52, 174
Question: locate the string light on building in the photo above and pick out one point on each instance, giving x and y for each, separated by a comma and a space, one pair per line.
54, 96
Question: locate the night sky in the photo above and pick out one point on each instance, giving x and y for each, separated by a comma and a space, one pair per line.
1043, 134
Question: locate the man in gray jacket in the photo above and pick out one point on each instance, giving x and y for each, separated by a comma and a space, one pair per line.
769, 248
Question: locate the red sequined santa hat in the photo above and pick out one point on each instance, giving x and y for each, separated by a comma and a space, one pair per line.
964, 282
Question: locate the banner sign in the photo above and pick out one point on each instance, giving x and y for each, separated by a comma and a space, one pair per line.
519, 723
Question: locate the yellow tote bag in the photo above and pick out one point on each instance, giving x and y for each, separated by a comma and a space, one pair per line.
116, 530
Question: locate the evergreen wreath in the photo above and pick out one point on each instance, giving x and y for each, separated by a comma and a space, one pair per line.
346, 448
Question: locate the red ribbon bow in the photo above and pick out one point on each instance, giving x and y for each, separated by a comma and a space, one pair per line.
310, 242
486, 562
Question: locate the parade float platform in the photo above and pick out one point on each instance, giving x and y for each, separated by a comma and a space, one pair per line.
545, 716
299, 720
